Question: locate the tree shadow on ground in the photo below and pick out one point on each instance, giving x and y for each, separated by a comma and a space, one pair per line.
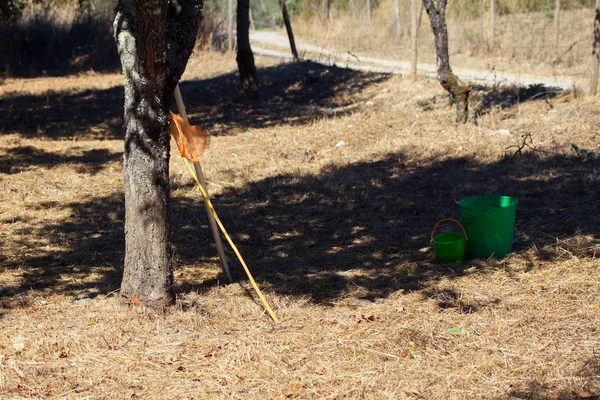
86, 115
357, 230
486, 99
361, 228
20, 157
82, 251
291, 94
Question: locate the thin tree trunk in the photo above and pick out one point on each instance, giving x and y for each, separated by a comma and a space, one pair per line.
492, 33
245, 57
154, 48
329, 13
369, 11
595, 51
413, 38
230, 25
420, 17
288, 28
556, 27
252, 25
461, 93
397, 17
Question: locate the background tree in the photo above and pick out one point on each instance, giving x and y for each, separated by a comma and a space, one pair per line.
288, 28
595, 51
245, 57
461, 93
154, 39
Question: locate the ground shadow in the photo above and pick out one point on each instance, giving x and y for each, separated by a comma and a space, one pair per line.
359, 229
487, 98
18, 158
84, 249
291, 94
364, 226
86, 115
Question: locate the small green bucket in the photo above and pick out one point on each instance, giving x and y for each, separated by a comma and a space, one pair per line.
449, 246
490, 223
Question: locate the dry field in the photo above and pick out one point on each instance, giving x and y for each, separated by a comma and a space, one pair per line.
523, 41
330, 184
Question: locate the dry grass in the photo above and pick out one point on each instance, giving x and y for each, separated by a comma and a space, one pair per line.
337, 236
523, 41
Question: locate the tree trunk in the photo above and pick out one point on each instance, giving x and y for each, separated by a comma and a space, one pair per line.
329, 14
368, 11
461, 93
245, 57
288, 28
154, 43
595, 51
414, 29
492, 27
556, 28
230, 25
397, 17
252, 24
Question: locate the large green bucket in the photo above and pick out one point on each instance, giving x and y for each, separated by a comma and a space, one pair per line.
490, 224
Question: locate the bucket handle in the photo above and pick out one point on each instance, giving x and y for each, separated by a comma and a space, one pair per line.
481, 214
448, 219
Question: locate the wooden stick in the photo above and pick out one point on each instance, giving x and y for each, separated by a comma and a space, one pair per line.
233, 246
200, 175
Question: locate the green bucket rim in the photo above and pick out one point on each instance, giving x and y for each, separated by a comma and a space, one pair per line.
464, 202
459, 237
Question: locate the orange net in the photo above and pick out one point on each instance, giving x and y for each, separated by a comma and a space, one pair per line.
192, 142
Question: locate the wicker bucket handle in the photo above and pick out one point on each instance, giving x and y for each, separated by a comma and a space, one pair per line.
448, 219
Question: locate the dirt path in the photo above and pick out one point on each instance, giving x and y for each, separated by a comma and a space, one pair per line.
278, 46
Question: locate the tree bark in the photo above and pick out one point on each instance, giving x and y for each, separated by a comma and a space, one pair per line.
245, 57
461, 93
154, 41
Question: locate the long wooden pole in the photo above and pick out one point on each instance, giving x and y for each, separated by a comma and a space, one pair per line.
233, 246
200, 175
